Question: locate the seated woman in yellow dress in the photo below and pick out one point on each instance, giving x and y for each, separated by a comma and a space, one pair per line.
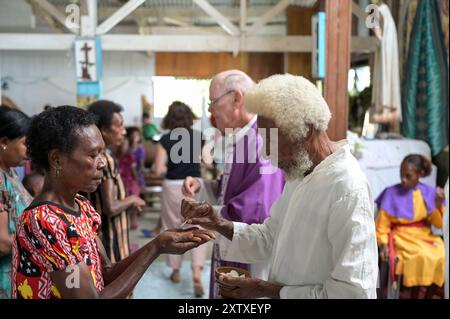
406, 212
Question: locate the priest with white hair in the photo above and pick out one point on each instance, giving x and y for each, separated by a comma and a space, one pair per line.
320, 238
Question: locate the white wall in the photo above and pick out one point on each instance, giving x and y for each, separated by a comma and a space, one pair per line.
36, 78
127, 92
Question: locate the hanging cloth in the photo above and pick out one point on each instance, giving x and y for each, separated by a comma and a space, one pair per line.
425, 86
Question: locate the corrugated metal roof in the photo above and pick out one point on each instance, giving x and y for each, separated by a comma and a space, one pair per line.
187, 3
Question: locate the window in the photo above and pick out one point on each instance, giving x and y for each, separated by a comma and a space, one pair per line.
193, 92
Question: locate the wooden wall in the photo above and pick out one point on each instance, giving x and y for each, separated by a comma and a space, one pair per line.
205, 64
299, 23
261, 65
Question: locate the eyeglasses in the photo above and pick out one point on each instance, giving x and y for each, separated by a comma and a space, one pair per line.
214, 101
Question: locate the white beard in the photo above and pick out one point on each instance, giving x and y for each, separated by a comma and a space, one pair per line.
302, 163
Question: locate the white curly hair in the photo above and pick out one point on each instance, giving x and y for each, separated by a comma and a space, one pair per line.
292, 102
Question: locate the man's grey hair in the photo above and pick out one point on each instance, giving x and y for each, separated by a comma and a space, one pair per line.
237, 82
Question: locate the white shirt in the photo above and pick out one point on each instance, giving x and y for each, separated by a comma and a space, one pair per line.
320, 239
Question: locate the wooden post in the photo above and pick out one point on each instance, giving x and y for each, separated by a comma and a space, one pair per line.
339, 14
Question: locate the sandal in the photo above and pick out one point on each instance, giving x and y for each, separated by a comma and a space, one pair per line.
148, 233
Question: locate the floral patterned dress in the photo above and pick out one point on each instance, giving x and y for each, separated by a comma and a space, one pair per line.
14, 198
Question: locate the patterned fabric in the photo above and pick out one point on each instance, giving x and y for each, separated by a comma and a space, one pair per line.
51, 238
445, 22
114, 232
425, 91
126, 164
14, 198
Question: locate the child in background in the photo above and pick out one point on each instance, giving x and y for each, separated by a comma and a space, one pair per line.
128, 171
149, 128
33, 183
137, 150
403, 228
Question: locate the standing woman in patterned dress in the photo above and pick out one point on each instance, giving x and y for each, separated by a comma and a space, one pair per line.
110, 199
13, 196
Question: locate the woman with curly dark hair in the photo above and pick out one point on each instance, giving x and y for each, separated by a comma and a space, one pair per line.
13, 196
178, 156
57, 252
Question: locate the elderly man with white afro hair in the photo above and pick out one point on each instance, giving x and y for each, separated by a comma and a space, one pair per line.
320, 239
292, 102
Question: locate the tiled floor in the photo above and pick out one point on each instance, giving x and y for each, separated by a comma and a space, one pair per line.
156, 283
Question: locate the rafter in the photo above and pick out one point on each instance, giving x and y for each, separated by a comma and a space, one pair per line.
268, 16
176, 43
229, 27
118, 16
53, 11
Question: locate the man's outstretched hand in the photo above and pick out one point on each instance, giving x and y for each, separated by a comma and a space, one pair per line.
204, 215
200, 213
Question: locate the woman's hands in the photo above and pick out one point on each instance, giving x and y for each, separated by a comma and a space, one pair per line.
440, 196
138, 203
179, 241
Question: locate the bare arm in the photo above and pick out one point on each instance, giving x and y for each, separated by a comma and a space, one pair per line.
248, 288
129, 271
107, 265
159, 167
114, 206
121, 287
112, 271
6, 239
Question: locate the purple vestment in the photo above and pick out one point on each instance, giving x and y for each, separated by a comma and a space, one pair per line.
139, 156
249, 194
397, 200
